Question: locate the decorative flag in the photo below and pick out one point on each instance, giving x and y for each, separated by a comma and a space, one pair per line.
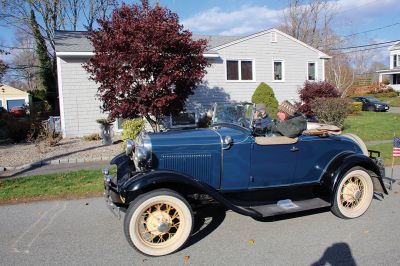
396, 147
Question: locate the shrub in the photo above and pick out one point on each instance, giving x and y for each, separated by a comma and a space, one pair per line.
92, 137
18, 130
331, 111
357, 107
46, 137
265, 95
314, 90
131, 128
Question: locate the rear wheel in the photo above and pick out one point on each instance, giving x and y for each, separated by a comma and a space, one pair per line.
354, 194
158, 222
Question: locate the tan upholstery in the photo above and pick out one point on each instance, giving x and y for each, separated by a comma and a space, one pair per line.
275, 140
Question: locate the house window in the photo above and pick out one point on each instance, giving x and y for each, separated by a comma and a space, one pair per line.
239, 70
232, 70
395, 61
278, 71
396, 79
118, 124
311, 71
273, 36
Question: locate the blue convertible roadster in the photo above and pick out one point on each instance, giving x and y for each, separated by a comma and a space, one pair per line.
164, 177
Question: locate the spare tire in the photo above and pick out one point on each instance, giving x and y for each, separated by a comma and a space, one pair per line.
359, 141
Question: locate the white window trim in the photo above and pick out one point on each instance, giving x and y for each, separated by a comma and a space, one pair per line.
316, 71
253, 65
283, 71
274, 37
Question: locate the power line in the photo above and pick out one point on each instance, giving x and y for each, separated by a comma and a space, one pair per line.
365, 45
371, 30
373, 48
15, 48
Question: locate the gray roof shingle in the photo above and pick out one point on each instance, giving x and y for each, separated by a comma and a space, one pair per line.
76, 41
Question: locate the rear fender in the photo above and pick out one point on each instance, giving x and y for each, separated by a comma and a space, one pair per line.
342, 163
156, 179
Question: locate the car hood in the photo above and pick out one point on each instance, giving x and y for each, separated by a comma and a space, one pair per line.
185, 137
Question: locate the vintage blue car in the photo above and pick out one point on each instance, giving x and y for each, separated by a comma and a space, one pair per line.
164, 177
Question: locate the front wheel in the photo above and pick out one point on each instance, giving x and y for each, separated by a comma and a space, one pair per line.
354, 194
158, 222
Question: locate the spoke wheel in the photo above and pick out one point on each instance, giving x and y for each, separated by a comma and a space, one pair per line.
158, 223
353, 194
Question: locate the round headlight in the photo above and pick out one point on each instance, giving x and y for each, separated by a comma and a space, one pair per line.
130, 144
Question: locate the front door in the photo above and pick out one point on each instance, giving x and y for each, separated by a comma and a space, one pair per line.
272, 165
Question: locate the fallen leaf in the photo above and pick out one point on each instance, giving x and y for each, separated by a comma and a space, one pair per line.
186, 258
366, 232
251, 242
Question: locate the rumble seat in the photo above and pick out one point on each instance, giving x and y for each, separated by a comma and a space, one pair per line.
275, 140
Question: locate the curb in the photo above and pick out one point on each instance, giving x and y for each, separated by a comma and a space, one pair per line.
55, 162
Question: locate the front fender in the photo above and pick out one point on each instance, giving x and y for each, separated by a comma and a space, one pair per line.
146, 181
343, 163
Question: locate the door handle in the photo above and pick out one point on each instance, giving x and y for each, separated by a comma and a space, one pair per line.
293, 149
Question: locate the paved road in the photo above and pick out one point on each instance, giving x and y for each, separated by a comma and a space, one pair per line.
394, 110
83, 232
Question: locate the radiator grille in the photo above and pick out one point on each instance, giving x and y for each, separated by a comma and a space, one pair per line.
197, 165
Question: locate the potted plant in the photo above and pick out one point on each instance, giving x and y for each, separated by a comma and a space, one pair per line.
105, 130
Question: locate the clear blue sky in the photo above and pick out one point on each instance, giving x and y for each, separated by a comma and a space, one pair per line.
241, 17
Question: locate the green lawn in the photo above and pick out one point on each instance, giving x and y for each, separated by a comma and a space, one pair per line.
394, 102
73, 184
373, 126
386, 152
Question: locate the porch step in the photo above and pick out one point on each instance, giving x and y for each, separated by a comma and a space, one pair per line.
288, 206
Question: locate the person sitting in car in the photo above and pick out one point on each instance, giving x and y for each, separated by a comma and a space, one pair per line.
261, 118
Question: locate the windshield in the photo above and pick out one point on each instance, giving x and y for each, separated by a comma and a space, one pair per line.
233, 113
372, 99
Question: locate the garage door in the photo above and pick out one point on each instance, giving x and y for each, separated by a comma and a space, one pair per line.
13, 103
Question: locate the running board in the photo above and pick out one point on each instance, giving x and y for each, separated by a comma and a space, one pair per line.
288, 206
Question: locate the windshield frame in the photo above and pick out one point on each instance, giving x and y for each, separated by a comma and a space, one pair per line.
233, 125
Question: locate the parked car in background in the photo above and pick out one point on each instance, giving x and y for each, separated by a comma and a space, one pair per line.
165, 177
372, 104
18, 111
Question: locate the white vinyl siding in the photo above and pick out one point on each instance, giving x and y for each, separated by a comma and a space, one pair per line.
81, 108
216, 88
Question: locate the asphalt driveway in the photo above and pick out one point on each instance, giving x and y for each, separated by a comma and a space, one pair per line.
84, 232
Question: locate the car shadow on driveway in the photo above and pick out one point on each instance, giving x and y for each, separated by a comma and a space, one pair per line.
206, 220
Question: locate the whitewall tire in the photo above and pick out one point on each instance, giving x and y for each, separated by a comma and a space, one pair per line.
159, 222
353, 194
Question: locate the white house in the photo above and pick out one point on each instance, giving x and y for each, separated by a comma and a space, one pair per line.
393, 73
238, 65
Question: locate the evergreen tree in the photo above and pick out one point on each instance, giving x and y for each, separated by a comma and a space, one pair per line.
45, 62
265, 95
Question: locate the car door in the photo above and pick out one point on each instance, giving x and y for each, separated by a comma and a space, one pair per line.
314, 154
272, 164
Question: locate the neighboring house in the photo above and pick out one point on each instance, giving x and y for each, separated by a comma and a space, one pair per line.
238, 65
11, 97
393, 73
